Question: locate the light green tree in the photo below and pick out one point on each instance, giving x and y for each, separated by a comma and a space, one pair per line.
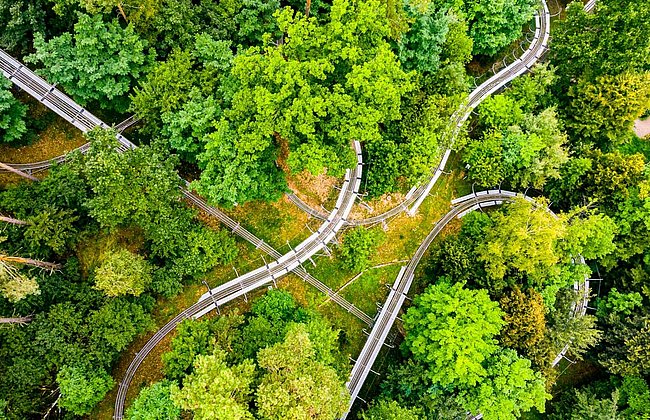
389, 410
495, 24
334, 82
296, 385
509, 389
215, 390
522, 238
82, 387
154, 403
123, 273
98, 64
452, 330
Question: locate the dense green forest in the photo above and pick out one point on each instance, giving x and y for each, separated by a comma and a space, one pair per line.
245, 98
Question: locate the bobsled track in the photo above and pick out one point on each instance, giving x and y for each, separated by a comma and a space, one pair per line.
333, 222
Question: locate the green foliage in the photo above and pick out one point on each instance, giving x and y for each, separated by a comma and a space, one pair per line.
166, 86
626, 350
587, 407
140, 188
500, 112
12, 114
334, 82
601, 50
199, 338
485, 158
564, 327
522, 238
257, 18
20, 19
271, 316
14, 285
420, 48
98, 64
603, 111
523, 149
123, 273
510, 388
524, 317
186, 127
317, 159
602, 76
635, 393
618, 303
154, 403
116, 324
591, 236
389, 410
216, 390
359, 245
452, 330
495, 24
455, 258
296, 384
51, 228
531, 91
82, 387
130, 10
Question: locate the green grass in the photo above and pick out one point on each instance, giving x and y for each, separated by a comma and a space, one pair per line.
372, 286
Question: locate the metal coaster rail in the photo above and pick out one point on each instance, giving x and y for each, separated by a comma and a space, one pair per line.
399, 291
69, 110
463, 205
85, 121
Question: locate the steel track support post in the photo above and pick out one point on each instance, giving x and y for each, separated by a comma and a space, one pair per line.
212, 296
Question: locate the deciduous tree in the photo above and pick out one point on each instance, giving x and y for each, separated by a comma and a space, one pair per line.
358, 247
12, 114
509, 389
215, 390
123, 273
452, 330
98, 64
524, 317
295, 384
82, 387
154, 403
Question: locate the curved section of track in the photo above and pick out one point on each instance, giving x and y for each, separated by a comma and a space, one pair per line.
535, 51
400, 288
257, 278
416, 196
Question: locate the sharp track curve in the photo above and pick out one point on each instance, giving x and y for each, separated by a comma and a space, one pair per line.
85, 121
402, 285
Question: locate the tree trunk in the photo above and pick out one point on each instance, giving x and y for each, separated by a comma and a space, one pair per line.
19, 320
29, 261
307, 7
12, 221
17, 172
119, 7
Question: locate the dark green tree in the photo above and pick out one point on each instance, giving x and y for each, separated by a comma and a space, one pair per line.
98, 64
12, 114
154, 403
82, 388
358, 247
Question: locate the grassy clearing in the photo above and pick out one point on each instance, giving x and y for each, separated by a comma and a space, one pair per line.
403, 235
56, 139
276, 223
